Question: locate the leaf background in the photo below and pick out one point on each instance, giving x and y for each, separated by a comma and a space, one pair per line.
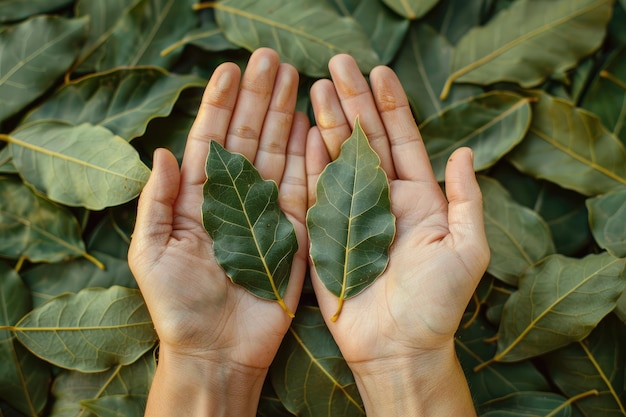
133, 67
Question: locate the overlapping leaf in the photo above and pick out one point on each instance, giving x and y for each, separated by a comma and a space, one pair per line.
596, 363
306, 33
309, 374
559, 301
607, 95
122, 100
26, 49
81, 165
491, 124
569, 146
384, 28
530, 40
123, 387
35, 228
496, 380
411, 9
253, 240
517, 236
351, 226
454, 18
13, 10
606, 218
90, 331
527, 404
24, 379
140, 34
423, 65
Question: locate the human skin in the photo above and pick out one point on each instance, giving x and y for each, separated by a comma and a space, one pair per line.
397, 336
217, 340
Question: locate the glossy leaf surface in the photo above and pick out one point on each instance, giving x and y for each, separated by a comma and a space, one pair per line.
454, 18
253, 240
530, 40
124, 386
35, 228
491, 124
140, 34
517, 236
411, 9
596, 363
423, 65
81, 165
607, 95
559, 301
571, 147
306, 33
89, 331
384, 28
121, 100
309, 374
41, 42
351, 226
606, 218
474, 346
24, 379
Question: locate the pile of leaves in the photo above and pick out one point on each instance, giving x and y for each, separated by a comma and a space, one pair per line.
88, 88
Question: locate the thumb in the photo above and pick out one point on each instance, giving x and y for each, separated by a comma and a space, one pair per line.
155, 212
465, 211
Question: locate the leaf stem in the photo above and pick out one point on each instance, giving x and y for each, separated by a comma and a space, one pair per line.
19, 264
94, 261
204, 5
572, 400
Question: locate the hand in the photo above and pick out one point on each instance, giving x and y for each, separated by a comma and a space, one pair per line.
200, 316
404, 324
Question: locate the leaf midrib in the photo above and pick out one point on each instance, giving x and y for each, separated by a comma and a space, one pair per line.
529, 35
80, 162
324, 371
549, 309
603, 376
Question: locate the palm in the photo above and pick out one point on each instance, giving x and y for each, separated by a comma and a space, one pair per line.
439, 252
196, 309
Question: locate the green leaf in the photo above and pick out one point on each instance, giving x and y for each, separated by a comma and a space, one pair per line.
607, 95
560, 300
81, 165
454, 18
117, 405
122, 386
309, 374
518, 237
35, 228
491, 124
596, 363
90, 331
140, 34
569, 146
423, 65
497, 379
384, 28
6, 162
122, 100
41, 42
530, 40
12, 10
103, 16
269, 403
527, 404
411, 9
606, 218
305, 33
208, 36
253, 240
44, 283
620, 308
351, 226
24, 379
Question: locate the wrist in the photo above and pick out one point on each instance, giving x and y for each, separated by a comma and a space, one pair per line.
193, 385
426, 384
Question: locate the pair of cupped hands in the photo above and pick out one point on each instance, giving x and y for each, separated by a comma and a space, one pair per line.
407, 317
